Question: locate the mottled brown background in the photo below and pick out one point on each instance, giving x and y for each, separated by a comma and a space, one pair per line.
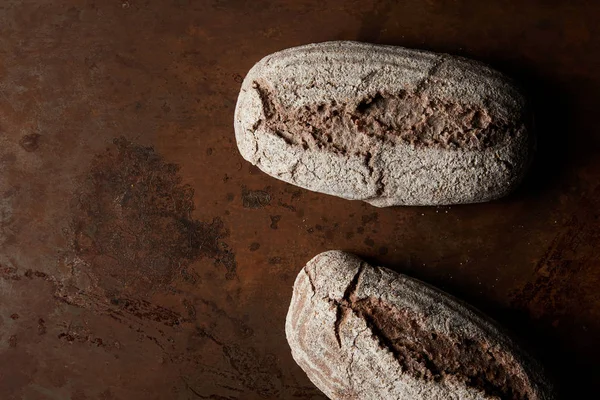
142, 258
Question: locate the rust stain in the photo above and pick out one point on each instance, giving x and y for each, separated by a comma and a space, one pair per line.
286, 206
133, 227
275, 260
258, 373
274, 221
41, 329
324, 232
30, 142
9, 273
132, 234
255, 198
369, 218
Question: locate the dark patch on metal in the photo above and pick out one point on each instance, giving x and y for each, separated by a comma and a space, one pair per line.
149, 312
191, 310
14, 316
237, 78
275, 260
368, 218
79, 333
188, 276
9, 273
255, 198
132, 223
41, 328
295, 193
369, 242
383, 250
275, 220
254, 246
287, 206
12, 341
30, 142
126, 310
265, 371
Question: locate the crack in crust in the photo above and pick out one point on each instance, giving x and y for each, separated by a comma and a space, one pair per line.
431, 356
383, 117
343, 306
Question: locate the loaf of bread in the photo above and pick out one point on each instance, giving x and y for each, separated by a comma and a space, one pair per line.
387, 125
363, 332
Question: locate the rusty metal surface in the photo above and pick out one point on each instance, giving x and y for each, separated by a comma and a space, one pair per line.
142, 258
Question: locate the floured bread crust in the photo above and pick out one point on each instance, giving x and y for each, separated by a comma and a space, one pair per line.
387, 125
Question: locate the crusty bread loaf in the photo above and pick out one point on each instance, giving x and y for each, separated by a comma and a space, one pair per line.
363, 332
387, 125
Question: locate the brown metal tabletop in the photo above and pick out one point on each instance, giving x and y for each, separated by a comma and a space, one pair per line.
142, 258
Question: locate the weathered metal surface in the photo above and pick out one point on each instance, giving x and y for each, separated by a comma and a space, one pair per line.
142, 258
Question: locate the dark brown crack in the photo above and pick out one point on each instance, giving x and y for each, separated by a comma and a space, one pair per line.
383, 117
339, 317
368, 161
342, 305
380, 185
351, 288
312, 284
265, 98
433, 356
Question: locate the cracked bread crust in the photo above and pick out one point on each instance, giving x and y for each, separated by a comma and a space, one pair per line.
363, 332
384, 124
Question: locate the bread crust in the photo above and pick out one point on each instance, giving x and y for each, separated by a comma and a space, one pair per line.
364, 332
383, 124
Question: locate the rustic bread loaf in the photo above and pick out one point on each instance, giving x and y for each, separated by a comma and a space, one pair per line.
363, 332
387, 125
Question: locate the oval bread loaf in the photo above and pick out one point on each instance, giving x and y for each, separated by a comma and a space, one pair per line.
363, 332
387, 125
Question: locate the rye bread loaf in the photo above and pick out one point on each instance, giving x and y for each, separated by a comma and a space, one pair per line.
383, 124
363, 332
